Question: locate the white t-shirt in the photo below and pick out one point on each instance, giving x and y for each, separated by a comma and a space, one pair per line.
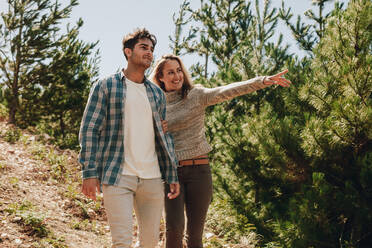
139, 137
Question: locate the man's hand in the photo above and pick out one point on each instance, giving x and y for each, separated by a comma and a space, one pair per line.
90, 187
164, 125
174, 190
278, 79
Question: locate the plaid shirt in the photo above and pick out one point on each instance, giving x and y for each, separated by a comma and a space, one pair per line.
101, 134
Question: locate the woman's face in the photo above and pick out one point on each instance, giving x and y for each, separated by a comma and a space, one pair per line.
172, 75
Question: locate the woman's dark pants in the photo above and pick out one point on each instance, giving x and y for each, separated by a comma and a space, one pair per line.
194, 200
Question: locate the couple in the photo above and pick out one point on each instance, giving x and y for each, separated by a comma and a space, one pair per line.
139, 159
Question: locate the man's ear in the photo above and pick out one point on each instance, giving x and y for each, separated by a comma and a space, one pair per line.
128, 52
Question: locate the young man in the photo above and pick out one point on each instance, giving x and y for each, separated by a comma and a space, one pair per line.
124, 148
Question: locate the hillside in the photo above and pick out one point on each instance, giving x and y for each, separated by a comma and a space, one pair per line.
40, 200
40, 203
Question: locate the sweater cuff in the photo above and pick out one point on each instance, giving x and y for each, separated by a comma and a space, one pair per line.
263, 80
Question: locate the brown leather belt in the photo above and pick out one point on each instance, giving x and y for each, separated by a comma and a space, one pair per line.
194, 161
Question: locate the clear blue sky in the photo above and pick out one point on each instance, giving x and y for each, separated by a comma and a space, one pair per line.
109, 20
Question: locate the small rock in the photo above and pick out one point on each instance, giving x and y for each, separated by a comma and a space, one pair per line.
91, 213
208, 235
16, 219
18, 241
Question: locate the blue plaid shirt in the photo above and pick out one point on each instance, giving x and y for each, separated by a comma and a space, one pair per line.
101, 134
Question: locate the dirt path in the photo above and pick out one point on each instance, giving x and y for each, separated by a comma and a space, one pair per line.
37, 207
40, 201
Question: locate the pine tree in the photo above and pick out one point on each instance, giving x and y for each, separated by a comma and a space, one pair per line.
239, 41
338, 136
29, 34
66, 86
179, 42
223, 24
318, 152
296, 163
308, 35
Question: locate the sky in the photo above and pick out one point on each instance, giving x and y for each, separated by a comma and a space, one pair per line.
109, 20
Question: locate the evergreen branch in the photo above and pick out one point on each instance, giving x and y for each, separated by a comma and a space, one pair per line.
3, 67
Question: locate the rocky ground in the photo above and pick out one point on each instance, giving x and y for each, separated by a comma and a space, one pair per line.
40, 200
40, 203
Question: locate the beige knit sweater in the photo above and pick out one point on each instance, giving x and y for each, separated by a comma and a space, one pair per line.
186, 116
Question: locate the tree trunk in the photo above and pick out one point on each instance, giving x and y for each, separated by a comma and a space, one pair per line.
14, 101
257, 194
206, 65
13, 106
12, 112
62, 125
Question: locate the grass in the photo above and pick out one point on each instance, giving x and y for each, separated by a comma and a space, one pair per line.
50, 241
28, 165
38, 151
27, 216
13, 181
3, 166
60, 168
223, 225
12, 135
3, 111
59, 171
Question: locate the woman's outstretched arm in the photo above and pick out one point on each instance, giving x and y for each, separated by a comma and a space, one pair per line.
212, 96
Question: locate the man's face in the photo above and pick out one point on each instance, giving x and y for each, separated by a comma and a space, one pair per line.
142, 53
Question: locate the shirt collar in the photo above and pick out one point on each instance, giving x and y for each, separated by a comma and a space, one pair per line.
122, 77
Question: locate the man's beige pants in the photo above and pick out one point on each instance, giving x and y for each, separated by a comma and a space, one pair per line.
147, 198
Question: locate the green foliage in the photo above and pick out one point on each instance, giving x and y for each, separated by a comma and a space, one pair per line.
293, 163
3, 167
66, 87
298, 160
179, 43
25, 215
29, 31
53, 134
58, 166
39, 151
36, 223
222, 222
14, 207
337, 137
242, 174
50, 241
80, 225
57, 162
237, 37
3, 111
308, 35
46, 73
12, 135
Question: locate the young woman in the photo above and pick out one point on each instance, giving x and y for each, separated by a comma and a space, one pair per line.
185, 121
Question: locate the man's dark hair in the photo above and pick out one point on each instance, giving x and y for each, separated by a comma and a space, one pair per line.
130, 40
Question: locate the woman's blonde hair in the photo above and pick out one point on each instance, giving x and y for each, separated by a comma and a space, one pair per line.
157, 73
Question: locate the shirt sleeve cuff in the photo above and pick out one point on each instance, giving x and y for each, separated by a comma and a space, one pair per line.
90, 173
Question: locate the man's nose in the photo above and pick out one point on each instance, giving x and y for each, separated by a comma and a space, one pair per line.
150, 52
